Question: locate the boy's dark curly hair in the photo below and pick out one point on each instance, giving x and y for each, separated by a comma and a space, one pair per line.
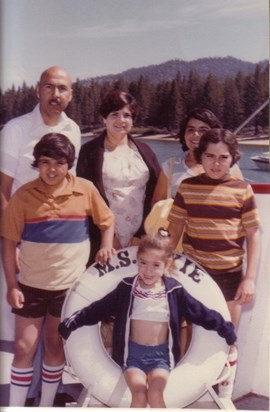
54, 145
216, 136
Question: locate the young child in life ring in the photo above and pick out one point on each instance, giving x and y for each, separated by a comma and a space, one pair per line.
147, 310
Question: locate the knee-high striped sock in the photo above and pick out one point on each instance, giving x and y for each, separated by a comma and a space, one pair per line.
21, 379
51, 377
225, 388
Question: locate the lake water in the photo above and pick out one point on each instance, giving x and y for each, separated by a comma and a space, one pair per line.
165, 149
168, 148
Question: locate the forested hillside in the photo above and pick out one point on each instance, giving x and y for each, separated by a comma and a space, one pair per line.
164, 102
220, 67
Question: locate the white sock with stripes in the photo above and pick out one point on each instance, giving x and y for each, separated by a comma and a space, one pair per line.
21, 379
51, 377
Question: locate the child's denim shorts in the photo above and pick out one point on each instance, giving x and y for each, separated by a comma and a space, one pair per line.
147, 358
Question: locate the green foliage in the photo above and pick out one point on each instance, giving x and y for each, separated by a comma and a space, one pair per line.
162, 104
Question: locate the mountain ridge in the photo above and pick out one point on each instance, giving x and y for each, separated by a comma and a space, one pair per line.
220, 67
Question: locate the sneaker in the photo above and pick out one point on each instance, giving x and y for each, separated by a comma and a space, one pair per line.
30, 402
61, 399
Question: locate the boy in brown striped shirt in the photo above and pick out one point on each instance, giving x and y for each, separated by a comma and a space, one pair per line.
217, 214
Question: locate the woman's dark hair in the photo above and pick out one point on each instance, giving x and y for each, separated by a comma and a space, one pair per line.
202, 114
216, 136
54, 145
116, 100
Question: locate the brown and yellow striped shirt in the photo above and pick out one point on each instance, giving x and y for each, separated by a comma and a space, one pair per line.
217, 214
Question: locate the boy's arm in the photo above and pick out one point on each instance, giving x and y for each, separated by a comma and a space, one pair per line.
177, 218
106, 250
102, 217
175, 230
5, 189
246, 289
160, 191
9, 252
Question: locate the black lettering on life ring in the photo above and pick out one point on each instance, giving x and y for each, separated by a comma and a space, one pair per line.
195, 275
124, 259
189, 268
103, 269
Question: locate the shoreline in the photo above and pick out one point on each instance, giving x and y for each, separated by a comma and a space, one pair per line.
257, 142
261, 141
264, 141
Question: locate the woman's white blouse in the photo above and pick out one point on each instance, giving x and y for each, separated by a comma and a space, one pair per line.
125, 176
180, 172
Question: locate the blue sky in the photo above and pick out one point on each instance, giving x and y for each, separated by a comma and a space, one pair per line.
97, 37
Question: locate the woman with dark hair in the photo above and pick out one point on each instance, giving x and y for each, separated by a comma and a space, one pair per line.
124, 170
178, 168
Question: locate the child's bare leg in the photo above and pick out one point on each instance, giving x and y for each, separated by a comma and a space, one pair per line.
54, 361
157, 380
137, 382
54, 351
235, 311
26, 340
27, 332
226, 387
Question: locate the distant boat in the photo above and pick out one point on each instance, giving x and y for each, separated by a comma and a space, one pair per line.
262, 161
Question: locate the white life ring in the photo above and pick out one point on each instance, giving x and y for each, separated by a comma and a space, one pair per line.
201, 365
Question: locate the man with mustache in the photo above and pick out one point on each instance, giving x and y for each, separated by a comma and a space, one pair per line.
19, 135
18, 138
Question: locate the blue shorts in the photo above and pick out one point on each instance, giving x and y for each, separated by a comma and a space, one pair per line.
39, 302
147, 358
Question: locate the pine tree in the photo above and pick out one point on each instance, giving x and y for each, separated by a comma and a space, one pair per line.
193, 91
73, 109
232, 105
213, 95
175, 106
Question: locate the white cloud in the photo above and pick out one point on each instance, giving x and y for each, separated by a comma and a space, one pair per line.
124, 28
196, 11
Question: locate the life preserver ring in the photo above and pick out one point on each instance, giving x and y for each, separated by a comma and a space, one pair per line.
201, 365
